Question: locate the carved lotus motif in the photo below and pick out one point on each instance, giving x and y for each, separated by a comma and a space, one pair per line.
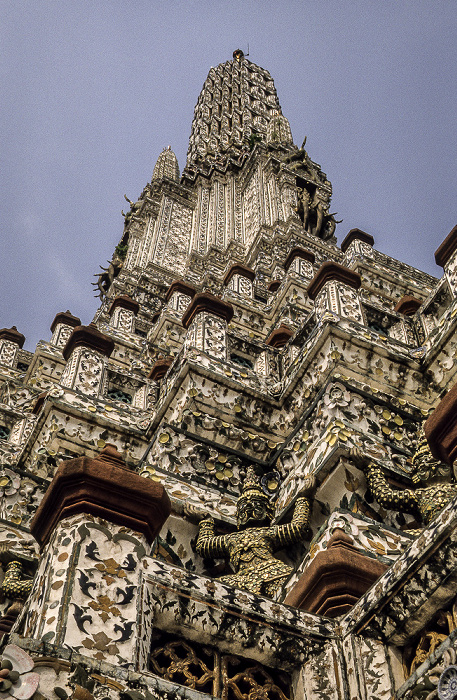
337, 396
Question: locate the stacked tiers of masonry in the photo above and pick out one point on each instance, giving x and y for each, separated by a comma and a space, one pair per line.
235, 342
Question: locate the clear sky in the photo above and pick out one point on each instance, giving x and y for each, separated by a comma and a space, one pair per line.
93, 91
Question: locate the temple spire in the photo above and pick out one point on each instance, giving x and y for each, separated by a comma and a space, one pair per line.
236, 104
166, 166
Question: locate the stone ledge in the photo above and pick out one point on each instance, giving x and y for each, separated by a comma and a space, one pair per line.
335, 579
209, 303
355, 234
88, 337
105, 488
125, 302
265, 628
447, 248
332, 271
67, 319
441, 428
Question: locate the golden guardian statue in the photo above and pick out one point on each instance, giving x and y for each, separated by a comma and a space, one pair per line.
250, 549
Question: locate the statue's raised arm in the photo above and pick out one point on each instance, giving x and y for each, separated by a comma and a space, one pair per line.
434, 484
386, 496
295, 531
208, 543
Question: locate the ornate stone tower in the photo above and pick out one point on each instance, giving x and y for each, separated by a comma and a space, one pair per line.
221, 485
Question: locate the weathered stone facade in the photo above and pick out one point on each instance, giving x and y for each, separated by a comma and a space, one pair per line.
238, 356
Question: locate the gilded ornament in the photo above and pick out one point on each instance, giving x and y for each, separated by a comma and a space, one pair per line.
434, 484
14, 586
250, 549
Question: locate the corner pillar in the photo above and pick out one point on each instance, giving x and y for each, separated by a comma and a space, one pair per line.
335, 288
10, 342
179, 295
335, 579
62, 328
206, 321
357, 244
446, 257
86, 352
122, 313
440, 428
94, 526
240, 279
301, 262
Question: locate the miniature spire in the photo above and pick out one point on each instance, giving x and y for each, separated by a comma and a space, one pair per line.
278, 130
166, 166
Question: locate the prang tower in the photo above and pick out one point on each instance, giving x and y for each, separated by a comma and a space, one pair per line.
222, 485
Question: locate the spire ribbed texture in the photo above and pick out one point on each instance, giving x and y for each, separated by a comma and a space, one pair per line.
237, 102
166, 166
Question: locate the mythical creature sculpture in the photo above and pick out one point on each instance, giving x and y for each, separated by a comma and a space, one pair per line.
328, 229
133, 211
299, 160
251, 548
106, 278
305, 201
437, 488
320, 206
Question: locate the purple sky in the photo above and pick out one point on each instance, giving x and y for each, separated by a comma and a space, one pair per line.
93, 91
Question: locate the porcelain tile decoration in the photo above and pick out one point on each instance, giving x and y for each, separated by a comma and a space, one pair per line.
221, 486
